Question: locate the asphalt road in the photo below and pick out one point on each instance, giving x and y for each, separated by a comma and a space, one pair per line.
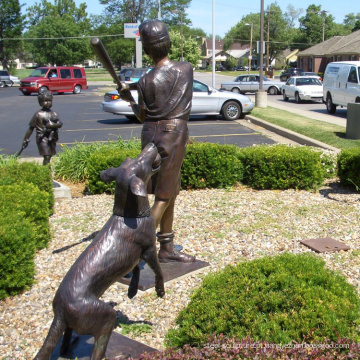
85, 122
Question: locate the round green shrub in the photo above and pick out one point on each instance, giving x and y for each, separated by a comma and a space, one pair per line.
29, 173
278, 299
282, 167
209, 165
17, 250
348, 167
104, 159
27, 199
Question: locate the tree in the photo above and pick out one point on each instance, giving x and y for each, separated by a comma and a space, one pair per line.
350, 21
119, 49
138, 10
275, 21
316, 26
191, 50
11, 25
58, 32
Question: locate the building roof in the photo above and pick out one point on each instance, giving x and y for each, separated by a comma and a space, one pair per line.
347, 44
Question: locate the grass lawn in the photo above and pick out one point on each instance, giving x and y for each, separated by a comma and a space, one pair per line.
327, 133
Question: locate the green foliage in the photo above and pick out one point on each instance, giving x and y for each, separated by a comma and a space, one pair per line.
278, 299
32, 203
11, 25
348, 167
71, 163
104, 159
282, 167
209, 165
51, 24
17, 249
12, 173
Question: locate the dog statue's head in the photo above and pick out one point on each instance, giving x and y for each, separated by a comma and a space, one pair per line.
131, 179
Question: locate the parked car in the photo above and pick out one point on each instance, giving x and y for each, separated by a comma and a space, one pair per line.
58, 79
290, 72
341, 84
302, 88
206, 101
251, 83
241, 68
14, 80
132, 74
5, 78
309, 73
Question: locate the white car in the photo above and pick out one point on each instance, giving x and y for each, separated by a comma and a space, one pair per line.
206, 101
251, 83
302, 88
14, 80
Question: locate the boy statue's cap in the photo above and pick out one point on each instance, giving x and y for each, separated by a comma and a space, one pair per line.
153, 32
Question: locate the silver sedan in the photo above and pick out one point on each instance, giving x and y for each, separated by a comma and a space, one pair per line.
251, 83
206, 101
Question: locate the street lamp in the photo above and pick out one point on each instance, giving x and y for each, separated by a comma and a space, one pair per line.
181, 32
250, 56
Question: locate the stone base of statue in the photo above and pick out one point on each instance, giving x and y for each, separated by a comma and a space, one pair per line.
119, 347
171, 271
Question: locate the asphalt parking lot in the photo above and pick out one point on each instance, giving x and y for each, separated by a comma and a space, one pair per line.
85, 122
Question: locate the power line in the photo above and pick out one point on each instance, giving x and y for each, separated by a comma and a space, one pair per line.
61, 38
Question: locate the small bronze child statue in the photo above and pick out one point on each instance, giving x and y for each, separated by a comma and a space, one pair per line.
46, 122
165, 96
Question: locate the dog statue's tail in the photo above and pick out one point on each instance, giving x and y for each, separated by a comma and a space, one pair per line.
57, 328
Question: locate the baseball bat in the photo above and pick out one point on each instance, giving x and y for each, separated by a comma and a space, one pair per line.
104, 58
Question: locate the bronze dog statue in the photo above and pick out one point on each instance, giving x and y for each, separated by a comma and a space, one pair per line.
127, 237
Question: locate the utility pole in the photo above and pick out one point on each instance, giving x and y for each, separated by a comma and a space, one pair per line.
268, 42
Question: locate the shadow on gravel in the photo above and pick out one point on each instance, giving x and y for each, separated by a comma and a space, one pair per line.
334, 188
65, 248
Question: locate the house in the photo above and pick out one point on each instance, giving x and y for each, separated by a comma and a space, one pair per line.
337, 48
221, 56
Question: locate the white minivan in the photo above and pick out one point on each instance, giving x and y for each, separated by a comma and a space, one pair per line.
341, 84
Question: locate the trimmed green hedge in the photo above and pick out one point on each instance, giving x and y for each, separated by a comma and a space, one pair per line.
349, 167
17, 249
29, 173
282, 167
278, 299
28, 200
101, 160
211, 166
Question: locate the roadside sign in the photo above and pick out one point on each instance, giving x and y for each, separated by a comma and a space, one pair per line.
131, 30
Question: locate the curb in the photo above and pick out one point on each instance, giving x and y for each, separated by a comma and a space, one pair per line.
300, 139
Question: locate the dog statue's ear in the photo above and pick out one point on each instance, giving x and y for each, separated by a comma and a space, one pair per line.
137, 186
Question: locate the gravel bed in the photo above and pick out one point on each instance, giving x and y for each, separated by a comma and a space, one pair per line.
219, 226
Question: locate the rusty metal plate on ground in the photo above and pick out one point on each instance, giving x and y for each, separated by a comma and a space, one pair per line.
119, 346
171, 271
322, 245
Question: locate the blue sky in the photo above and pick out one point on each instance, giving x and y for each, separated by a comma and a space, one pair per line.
230, 12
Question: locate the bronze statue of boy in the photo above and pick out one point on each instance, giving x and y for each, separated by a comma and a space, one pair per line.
165, 95
46, 122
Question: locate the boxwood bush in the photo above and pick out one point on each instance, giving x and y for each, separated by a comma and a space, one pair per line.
101, 160
17, 249
348, 167
28, 200
278, 299
211, 166
29, 173
282, 167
